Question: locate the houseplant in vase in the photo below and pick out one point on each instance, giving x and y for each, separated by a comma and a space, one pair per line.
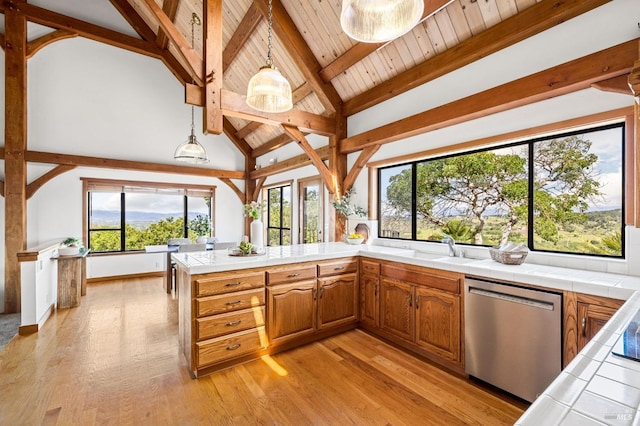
346, 208
70, 247
254, 211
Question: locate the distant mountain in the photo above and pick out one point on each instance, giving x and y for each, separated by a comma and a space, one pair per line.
109, 217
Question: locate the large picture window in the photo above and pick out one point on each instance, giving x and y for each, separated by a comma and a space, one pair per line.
127, 216
562, 193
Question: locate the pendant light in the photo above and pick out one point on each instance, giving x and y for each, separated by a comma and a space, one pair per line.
378, 21
268, 90
191, 151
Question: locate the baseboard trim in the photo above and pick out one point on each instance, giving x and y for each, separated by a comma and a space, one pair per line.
161, 274
25, 330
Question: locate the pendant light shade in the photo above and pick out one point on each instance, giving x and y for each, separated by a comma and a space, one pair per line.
378, 21
191, 151
268, 90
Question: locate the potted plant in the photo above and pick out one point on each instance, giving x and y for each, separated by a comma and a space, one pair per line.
70, 247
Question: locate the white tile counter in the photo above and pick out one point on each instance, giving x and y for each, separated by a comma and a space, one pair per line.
597, 387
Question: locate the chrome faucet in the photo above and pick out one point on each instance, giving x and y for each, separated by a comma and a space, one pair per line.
451, 243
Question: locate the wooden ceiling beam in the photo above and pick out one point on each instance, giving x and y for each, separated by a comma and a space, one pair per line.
359, 51
170, 8
234, 188
34, 46
145, 32
361, 161
273, 144
531, 21
234, 105
560, 80
241, 35
93, 32
108, 163
212, 53
325, 174
300, 53
289, 164
240, 143
186, 51
39, 182
619, 84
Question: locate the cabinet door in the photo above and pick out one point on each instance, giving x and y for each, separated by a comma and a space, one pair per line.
591, 318
291, 310
337, 301
396, 308
369, 300
438, 322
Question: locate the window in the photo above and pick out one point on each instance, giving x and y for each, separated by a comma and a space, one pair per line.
279, 215
127, 216
562, 193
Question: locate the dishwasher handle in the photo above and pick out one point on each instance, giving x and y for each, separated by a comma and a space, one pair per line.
511, 298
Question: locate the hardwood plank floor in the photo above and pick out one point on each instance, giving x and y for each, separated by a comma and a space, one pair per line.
115, 360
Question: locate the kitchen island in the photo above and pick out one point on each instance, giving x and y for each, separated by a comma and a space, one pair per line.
596, 385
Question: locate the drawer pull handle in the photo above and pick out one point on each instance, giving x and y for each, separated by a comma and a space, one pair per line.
235, 302
234, 347
293, 275
584, 327
233, 323
338, 268
232, 284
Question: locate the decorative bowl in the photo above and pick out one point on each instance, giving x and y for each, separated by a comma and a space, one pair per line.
355, 240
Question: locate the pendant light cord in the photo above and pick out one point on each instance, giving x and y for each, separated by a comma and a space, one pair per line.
269, 37
195, 20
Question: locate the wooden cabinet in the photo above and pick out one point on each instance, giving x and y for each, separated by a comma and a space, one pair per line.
369, 294
421, 308
227, 322
591, 318
292, 310
583, 316
396, 305
438, 322
301, 305
337, 300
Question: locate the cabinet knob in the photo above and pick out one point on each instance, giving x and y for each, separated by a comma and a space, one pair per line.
233, 347
410, 297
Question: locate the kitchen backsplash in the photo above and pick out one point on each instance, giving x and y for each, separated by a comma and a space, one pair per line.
590, 263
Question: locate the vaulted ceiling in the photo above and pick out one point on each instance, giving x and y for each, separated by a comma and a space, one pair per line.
331, 75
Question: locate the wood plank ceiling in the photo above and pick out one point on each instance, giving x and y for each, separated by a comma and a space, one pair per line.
356, 74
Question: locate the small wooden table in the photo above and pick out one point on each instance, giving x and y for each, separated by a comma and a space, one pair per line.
72, 279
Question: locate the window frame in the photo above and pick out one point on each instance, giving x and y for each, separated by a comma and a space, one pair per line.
126, 186
621, 122
280, 229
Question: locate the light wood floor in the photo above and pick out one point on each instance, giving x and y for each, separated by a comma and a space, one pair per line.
115, 360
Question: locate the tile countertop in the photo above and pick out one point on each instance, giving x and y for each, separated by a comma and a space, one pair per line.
596, 388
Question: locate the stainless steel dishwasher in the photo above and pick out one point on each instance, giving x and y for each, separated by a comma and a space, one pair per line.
513, 336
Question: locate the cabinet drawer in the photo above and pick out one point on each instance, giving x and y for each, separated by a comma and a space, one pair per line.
326, 269
228, 302
232, 322
369, 267
423, 277
230, 346
291, 274
210, 285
